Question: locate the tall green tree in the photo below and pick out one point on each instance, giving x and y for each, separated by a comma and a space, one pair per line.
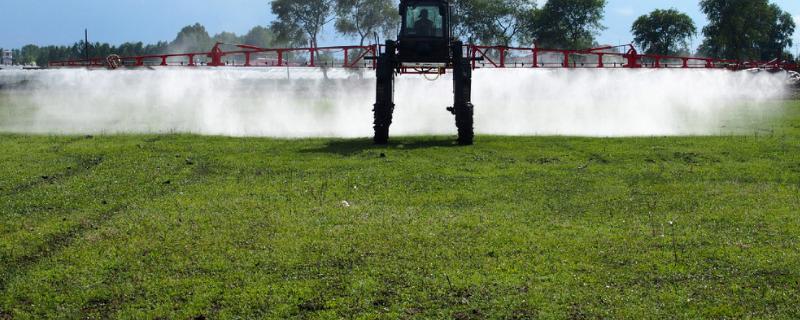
192, 38
567, 24
287, 34
745, 29
780, 36
308, 17
665, 32
259, 36
362, 18
492, 21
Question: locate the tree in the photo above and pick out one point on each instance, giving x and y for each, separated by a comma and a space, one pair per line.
52, 53
492, 21
192, 38
362, 18
287, 34
259, 37
664, 32
745, 29
27, 55
308, 17
158, 48
227, 37
780, 35
130, 49
567, 24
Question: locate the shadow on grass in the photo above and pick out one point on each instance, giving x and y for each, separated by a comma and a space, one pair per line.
354, 146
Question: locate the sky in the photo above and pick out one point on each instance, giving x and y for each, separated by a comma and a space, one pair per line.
62, 22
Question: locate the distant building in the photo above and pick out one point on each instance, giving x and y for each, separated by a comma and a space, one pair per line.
7, 58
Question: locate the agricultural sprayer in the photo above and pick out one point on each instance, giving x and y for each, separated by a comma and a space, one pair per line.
426, 46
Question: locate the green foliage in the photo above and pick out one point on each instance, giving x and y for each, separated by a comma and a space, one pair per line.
192, 38
288, 35
361, 18
136, 49
42, 56
742, 29
492, 21
227, 37
129, 49
567, 24
665, 32
780, 36
260, 37
296, 17
27, 55
746, 29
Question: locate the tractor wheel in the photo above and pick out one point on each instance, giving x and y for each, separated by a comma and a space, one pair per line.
383, 119
464, 122
462, 94
384, 101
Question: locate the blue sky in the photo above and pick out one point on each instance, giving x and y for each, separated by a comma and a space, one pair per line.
63, 21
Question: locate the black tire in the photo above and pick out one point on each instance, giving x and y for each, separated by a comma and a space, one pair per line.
384, 102
463, 108
383, 119
464, 122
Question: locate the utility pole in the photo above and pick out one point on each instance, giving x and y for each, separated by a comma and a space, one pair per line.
86, 43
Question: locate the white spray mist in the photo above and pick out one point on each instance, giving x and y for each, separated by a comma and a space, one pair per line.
293, 103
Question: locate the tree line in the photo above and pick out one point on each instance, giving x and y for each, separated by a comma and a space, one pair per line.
193, 38
737, 29
568, 24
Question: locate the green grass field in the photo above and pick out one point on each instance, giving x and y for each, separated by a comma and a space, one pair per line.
181, 227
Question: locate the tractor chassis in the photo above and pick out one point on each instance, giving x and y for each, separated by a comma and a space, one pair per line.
389, 66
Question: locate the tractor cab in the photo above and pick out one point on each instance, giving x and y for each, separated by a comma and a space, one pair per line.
425, 32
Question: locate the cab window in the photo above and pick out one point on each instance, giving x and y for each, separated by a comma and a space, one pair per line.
424, 21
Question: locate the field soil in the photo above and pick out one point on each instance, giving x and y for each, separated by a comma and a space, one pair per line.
180, 226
